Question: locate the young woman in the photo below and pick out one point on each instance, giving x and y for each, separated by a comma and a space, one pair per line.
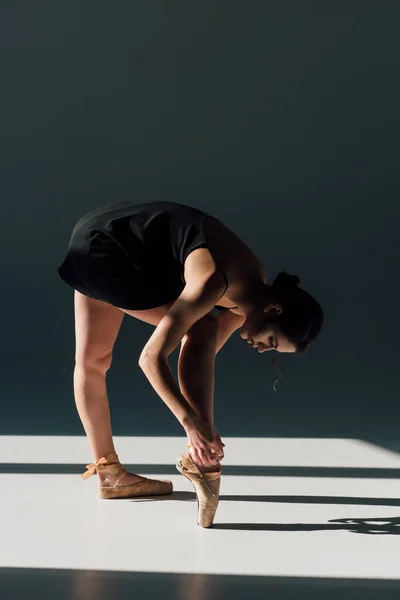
170, 264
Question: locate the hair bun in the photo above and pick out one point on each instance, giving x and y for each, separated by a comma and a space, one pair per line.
283, 279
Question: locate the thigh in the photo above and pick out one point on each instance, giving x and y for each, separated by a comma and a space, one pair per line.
96, 328
152, 315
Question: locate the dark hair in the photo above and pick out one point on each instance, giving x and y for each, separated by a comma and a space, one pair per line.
301, 318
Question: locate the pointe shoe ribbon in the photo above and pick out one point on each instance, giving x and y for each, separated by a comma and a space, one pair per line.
102, 462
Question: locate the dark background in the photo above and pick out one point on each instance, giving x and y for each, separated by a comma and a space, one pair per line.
280, 118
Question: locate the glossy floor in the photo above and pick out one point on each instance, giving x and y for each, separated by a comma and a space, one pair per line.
319, 517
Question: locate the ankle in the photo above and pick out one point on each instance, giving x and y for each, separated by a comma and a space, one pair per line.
208, 469
203, 468
111, 456
110, 472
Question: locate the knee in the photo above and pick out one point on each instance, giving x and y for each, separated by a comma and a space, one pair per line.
89, 360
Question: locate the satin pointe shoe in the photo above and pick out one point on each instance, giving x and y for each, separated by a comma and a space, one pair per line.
111, 464
206, 486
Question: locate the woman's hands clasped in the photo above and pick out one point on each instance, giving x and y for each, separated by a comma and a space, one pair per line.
206, 444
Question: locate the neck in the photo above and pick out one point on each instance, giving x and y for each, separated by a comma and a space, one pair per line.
254, 298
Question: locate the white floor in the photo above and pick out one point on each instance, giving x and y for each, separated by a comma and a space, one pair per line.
293, 512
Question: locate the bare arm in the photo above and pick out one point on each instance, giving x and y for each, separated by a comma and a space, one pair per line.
196, 301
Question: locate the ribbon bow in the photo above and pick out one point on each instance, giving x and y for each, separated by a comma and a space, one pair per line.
93, 467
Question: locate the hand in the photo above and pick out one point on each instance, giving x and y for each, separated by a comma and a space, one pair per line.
220, 452
220, 442
206, 445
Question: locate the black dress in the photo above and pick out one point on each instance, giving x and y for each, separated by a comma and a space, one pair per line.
132, 255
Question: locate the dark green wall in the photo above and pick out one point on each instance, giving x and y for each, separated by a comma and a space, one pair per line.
281, 119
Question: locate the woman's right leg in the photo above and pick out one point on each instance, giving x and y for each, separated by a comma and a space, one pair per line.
96, 328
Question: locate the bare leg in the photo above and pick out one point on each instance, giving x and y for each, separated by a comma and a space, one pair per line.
96, 328
196, 375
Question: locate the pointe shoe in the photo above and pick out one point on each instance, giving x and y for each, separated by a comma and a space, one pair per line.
206, 486
110, 462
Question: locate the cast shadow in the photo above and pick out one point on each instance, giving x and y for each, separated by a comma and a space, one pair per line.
375, 526
191, 496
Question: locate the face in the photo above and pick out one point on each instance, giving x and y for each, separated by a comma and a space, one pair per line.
264, 334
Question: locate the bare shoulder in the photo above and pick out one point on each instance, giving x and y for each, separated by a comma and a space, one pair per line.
231, 263
194, 303
199, 263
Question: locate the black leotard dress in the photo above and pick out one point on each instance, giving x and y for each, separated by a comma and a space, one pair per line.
132, 255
